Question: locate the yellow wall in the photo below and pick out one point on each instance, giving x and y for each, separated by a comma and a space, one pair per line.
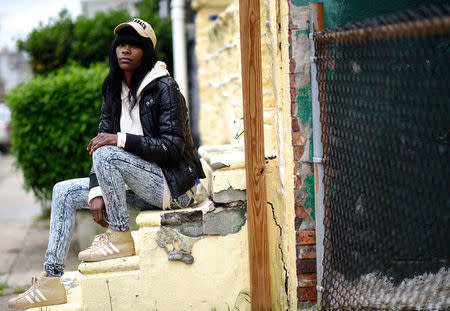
221, 111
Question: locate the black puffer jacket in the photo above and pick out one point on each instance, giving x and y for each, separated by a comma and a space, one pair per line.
167, 139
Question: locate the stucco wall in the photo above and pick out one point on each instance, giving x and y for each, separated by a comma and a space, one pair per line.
218, 55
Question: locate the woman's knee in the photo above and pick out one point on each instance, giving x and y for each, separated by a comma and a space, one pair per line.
67, 191
60, 188
104, 155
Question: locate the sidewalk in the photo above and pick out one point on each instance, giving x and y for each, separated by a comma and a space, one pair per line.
24, 235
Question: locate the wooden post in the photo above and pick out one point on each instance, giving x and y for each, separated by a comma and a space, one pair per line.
250, 29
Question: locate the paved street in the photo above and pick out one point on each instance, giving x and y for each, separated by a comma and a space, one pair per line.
24, 237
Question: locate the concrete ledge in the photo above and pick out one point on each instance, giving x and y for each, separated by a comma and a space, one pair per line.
153, 218
224, 167
111, 265
223, 156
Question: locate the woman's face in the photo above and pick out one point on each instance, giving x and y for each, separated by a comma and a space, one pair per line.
129, 56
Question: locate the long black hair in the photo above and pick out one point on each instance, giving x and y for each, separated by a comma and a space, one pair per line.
112, 85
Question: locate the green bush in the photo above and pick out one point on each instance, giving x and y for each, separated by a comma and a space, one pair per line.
53, 118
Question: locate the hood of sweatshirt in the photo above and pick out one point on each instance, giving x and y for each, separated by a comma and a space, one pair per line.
158, 71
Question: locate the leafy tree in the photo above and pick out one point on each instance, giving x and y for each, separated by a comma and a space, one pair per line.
87, 40
92, 36
49, 45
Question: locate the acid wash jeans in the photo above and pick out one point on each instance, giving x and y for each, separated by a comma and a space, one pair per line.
115, 168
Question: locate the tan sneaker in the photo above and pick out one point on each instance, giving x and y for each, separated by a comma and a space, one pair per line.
44, 291
111, 244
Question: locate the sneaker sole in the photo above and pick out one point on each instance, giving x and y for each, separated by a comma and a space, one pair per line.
39, 304
114, 256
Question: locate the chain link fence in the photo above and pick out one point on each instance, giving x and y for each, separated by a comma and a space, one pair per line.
385, 115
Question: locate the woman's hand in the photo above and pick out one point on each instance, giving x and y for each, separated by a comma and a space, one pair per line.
101, 139
98, 211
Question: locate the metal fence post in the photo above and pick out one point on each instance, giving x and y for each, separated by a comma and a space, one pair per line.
317, 24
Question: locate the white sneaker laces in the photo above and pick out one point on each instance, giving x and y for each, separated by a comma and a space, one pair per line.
99, 240
32, 290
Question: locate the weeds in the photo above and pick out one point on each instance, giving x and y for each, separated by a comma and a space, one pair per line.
243, 296
3, 286
45, 215
6, 290
19, 290
313, 308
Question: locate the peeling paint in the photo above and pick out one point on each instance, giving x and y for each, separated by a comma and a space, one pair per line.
300, 2
301, 31
218, 165
310, 198
304, 2
229, 195
180, 230
304, 106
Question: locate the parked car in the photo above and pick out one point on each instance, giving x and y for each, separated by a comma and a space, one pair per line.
5, 127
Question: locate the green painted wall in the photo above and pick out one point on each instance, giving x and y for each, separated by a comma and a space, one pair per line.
305, 114
341, 12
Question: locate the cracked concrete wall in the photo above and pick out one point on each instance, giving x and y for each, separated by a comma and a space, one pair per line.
280, 184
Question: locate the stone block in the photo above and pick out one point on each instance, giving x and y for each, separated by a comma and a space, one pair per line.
188, 223
229, 195
224, 220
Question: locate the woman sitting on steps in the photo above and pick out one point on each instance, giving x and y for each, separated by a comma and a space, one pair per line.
143, 157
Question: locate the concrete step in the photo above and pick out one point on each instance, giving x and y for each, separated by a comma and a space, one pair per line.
189, 259
224, 167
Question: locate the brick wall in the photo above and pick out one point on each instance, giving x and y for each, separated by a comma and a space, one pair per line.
301, 115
